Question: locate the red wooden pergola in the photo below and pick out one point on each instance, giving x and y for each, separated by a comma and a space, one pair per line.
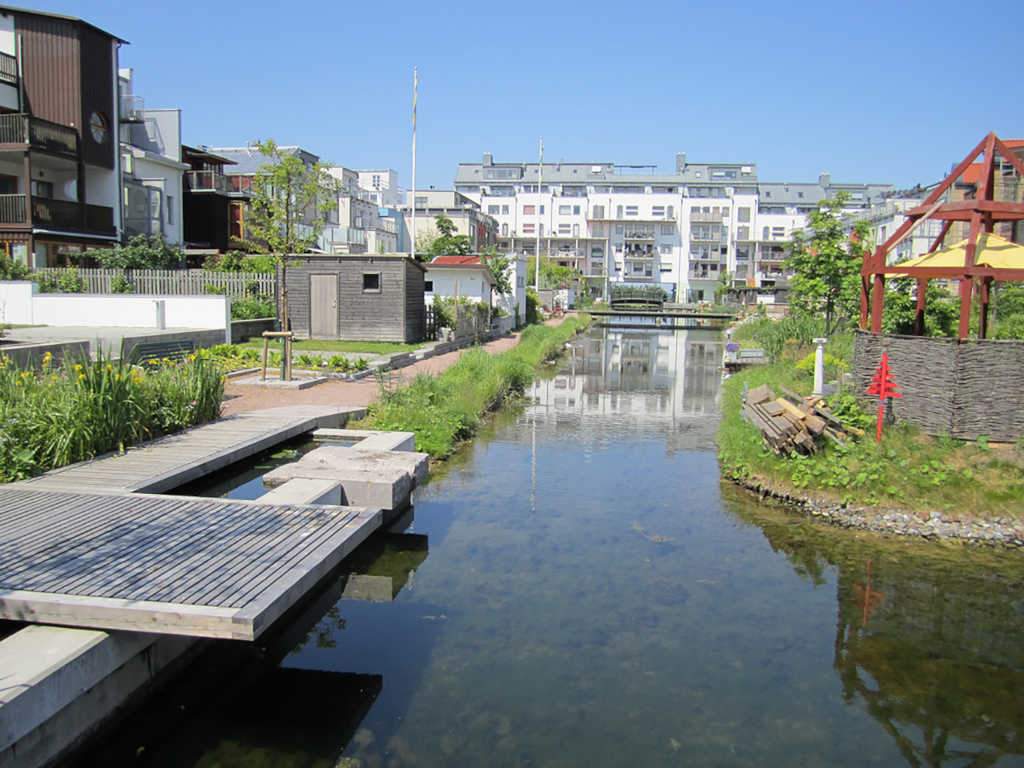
983, 212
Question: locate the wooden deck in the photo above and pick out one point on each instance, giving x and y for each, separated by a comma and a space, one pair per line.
165, 564
174, 460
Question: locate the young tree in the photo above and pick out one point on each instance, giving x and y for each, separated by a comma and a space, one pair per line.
289, 199
825, 264
498, 264
447, 243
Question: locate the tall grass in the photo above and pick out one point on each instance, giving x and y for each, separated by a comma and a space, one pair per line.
443, 410
59, 414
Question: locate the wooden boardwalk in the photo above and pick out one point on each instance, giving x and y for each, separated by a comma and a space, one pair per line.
174, 460
83, 545
165, 564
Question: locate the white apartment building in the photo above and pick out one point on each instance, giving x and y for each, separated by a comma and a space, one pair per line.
151, 166
361, 229
382, 184
621, 224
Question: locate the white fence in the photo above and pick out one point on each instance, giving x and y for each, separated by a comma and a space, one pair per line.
173, 282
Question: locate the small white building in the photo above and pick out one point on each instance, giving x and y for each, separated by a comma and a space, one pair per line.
459, 276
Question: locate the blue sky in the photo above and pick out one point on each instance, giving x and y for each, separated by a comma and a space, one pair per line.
868, 91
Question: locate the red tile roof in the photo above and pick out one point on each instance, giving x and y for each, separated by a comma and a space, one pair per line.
469, 260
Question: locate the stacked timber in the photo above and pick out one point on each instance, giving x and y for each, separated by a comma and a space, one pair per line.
792, 424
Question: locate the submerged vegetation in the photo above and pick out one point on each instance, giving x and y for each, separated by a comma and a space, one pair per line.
444, 409
62, 413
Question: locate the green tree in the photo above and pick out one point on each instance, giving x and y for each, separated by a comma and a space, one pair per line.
551, 275
825, 265
290, 197
498, 264
941, 312
447, 243
10, 269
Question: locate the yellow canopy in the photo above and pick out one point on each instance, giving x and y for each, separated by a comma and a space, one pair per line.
992, 251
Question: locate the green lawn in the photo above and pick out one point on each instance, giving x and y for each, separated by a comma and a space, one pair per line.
330, 345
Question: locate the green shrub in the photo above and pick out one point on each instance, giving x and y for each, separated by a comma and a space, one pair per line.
121, 284
65, 281
12, 270
532, 307
251, 308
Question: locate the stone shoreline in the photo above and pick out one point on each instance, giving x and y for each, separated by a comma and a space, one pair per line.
935, 526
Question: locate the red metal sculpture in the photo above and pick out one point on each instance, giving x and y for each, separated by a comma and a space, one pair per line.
883, 385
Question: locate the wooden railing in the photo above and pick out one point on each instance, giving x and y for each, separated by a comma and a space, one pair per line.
8, 69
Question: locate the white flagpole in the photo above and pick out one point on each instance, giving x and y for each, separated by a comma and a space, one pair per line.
415, 88
540, 220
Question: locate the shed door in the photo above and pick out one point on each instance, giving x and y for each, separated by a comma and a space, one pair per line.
323, 306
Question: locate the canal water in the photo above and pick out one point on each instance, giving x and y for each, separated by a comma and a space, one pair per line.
579, 588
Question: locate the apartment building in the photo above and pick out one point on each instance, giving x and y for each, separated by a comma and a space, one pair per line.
207, 198
619, 224
382, 184
464, 212
60, 185
361, 227
151, 166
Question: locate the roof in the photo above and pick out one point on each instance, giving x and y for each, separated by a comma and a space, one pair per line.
992, 251
248, 159
559, 172
972, 175
29, 12
195, 153
456, 260
442, 264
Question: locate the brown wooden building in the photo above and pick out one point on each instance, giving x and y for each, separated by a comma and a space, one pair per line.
207, 200
59, 124
364, 297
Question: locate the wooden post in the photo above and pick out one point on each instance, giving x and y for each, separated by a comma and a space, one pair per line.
266, 351
922, 291
986, 284
967, 282
865, 300
877, 302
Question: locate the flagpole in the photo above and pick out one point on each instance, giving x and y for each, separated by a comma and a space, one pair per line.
415, 89
540, 221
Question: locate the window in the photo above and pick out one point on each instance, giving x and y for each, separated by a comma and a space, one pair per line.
632, 210
40, 188
618, 229
428, 286
725, 212
529, 210
575, 230
529, 228
504, 229
564, 229
504, 209
668, 229
743, 215
666, 248
371, 282
618, 212
657, 211
421, 202
765, 233
575, 210
671, 212
598, 211
564, 210
743, 233
493, 209
778, 233
170, 209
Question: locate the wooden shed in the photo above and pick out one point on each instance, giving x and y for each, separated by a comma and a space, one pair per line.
358, 297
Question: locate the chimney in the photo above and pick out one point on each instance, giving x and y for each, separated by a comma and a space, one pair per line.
680, 162
825, 180
488, 158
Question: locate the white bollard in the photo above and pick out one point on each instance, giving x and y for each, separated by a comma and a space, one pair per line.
819, 368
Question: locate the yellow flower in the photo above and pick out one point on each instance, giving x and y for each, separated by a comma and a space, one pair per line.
108, 367
81, 376
78, 367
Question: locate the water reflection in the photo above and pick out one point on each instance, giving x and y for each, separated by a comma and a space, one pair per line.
655, 382
928, 639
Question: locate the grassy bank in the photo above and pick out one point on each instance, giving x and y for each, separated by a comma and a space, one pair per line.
60, 414
906, 470
442, 410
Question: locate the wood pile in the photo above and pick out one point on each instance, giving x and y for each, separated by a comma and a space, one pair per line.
793, 424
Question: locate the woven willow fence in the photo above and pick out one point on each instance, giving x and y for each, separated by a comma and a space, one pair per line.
175, 282
964, 389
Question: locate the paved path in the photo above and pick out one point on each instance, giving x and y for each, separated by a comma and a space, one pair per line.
239, 398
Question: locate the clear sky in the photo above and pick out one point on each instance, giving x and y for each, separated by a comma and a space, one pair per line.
890, 92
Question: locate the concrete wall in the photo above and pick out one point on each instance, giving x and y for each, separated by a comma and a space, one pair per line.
147, 311
949, 387
245, 329
31, 355
16, 301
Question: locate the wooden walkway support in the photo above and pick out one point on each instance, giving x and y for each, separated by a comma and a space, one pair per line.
165, 564
174, 460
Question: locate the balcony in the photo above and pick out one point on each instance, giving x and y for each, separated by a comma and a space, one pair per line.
57, 214
692, 275
19, 128
207, 181
638, 277
706, 218
132, 108
8, 69
645, 236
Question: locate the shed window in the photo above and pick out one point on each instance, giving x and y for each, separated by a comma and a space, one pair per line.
371, 281
428, 286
